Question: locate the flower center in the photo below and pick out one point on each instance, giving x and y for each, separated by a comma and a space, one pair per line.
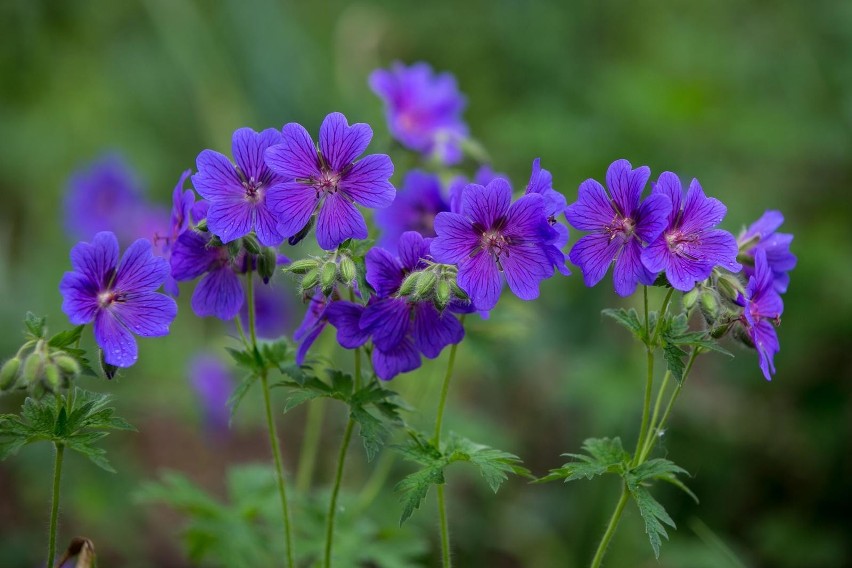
253, 189
327, 182
623, 227
679, 243
108, 297
495, 243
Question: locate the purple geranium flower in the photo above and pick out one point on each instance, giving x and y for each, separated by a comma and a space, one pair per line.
183, 203
555, 204
619, 226
211, 379
493, 235
312, 324
423, 109
272, 310
329, 179
689, 247
219, 293
417, 202
762, 306
120, 298
483, 176
761, 235
238, 194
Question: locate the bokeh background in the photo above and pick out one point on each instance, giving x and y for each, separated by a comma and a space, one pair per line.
754, 99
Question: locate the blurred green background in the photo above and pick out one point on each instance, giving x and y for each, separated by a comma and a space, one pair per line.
754, 99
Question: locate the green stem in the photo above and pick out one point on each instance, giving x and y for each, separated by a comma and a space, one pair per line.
656, 413
54, 507
341, 461
270, 424
660, 315
445, 531
649, 386
310, 446
611, 527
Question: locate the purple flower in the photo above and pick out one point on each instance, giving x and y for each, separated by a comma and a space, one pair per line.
312, 324
106, 196
689, 247
272, 311
619, 226
183, 203
761, 235
423, 109
329, 179
483, 176
238, 195
417, 202
555, 204
219, 293
762, 306
211, 379
120, 298
493, 235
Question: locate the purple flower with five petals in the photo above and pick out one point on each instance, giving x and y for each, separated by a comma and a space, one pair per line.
619, 226
183, 203
483, 176
555, 204
492, 235
330, 179
423, 109
239, 195
761, 235
219, 293
689, 248
312, 324
762, 307
119, 297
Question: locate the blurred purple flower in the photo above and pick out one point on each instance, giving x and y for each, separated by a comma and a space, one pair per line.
483, 176
689, 247
329, 179
491, 236
219, 293
272, 311
212, 381
555, 204
238, 195
619, 226
762, 306
120, 298
420, 198
183, 203
312, 325
761, 235
423, 109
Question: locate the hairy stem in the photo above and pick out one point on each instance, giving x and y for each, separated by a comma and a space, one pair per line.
445, 529
54, 506
611, 527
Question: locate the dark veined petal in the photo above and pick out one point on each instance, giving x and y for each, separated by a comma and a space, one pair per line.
218, 294
656, 255
626, 185
652, 217
768, 223
340, 143
368, 182
296, 156
98, 260
266, 226
593, 254
293, 204
115, 340
148, 314
456, 238
384, 272
216, 177
592, 210
346, 318
479, 277
433, 330
79, 297
629, 270
699, 211
485, 205
140, 270
525, 267
716, 248
765, 340
526, 220
402, 359
191, 256
339, 220
230, 219
387, 321
413, 247
249, 148
669, 184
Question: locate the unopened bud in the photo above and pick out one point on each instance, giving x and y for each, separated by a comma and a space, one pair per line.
741, 335
68, 365
409, 283
690, 298
52, 379
730, 286
425, 285
311, 279
720, 331
442, 293
9, 373
709, 305
457, 291
251, 244
266, 263
348, 270
201, 226
302, 266
328, 276
32, 368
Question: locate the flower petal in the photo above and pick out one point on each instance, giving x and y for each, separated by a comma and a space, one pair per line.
525, 267
656, 255
230, 219
479, 277
148, 314
266, 226
768, 223
593, 254
340, 143
79, 297
669, 184
699, 211
626, 185
387, 321
716, 248
216, 177
485, 205
526, 221
339, 220
346, 318
413, 248
249, 147
368, 181
765, 340
592, 210
652, 217
433, 330
218, 294
96, 261
115, 340
192, 257
384, 272
629, 270
296, 156
140, 270
293, 203
456, 238
402, 359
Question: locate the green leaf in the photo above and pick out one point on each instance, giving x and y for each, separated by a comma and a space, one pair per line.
299, 394
603, 455
655, 468
629, 319
66, 338
493, 464
674, 357
654, 516
96, 455
671, 478
35, 325
414, 487
239, 394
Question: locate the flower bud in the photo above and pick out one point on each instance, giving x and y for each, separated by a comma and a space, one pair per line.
327, 277
9, 373
720, 331
409, 283
425, 285
742, 336
266, 263
348, 270
689, 299
52, 379
296, 239
442, 294
311, 279
302, 266
457, 291
68, 365
201, 226
32, 368
730, 286
251, 244
709, 305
